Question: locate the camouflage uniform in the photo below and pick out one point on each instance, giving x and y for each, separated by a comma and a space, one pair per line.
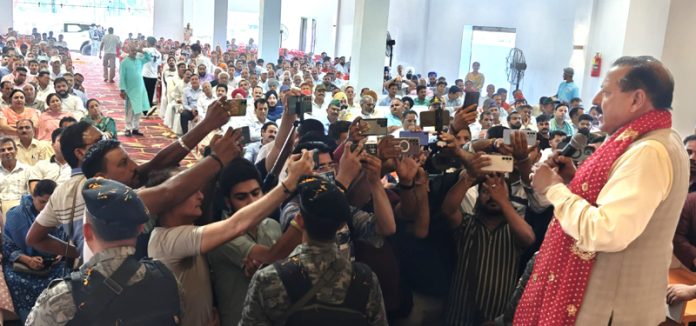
55, 306
267, 300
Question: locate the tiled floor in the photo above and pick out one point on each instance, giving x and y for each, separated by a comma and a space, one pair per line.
141, 149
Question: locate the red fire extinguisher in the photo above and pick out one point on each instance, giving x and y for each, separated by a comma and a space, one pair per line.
596, 65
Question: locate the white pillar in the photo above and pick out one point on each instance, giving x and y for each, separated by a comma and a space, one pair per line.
7, 16
220, 23
369, 43
168, 20
269, 29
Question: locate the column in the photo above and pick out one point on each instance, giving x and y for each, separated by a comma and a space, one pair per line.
7, 16
269, 29
220, 24
168, 20
369, 44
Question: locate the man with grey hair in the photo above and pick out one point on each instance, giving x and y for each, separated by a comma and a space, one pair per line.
367, 107
567, 90
30, 99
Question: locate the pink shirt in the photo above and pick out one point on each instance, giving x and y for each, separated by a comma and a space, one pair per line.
48, 122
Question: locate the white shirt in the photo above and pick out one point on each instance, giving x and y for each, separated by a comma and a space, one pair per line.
203, 103
45, 169
150, 67
14, 184
73, 104
42, 94
110, 43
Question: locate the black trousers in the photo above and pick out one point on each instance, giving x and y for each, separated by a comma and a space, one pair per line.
150, 84
185, 117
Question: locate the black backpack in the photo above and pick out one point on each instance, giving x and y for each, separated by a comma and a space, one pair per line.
314, 312
154, 300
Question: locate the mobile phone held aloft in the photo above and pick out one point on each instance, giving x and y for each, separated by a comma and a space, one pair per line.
499, 163
376, 127
300, 104
531, 136
422, 136
471, 98
438, 119
246, 135
237, 107
409, 146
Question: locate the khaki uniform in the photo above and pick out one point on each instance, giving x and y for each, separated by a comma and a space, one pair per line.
267, 300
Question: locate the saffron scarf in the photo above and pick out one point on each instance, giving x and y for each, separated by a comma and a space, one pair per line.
556, 288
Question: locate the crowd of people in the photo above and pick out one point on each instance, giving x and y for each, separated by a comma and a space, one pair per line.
311, 199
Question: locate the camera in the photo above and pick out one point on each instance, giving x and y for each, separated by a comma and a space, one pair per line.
438, 118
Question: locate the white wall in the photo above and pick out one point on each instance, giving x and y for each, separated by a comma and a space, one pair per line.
344, 32
607, 34
168, 20
6, 15
408, 26
646, 27
680, 36
544, 33
324, 11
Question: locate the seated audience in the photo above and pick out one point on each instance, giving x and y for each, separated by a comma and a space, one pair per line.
50, 119
103, 123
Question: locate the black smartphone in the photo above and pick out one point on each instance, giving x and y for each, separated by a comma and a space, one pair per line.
438, 118
300, 104
471, 98
246, 135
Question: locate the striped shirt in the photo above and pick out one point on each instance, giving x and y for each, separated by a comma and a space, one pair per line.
490, 259
60, 205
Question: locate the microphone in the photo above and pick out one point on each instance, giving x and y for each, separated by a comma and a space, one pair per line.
577, 143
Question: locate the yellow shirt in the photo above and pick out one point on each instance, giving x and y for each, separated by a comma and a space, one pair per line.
36, 151
638, 182
478, 79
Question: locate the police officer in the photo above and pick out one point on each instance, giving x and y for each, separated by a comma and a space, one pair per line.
316, 284
112, 288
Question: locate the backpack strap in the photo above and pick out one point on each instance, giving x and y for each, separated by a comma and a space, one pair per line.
294, 277
360, 286
325, 279
103, 290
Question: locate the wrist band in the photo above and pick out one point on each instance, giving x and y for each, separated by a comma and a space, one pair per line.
217, 158
285, 188
404, 187
183, 145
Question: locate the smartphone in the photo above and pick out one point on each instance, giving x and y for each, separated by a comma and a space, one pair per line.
531, 137
471, 98
437, 119
377, 127
246, 135
409, 146
422, 136
300, 104
371, 146
237, 107
499, 163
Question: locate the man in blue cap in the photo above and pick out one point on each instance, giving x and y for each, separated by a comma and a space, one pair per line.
112, 287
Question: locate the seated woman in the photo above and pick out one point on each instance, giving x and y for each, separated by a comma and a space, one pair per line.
25, 287
50, 119
94, 116
16, 111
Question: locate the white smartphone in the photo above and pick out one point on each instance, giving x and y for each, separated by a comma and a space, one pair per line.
531, 136
499, 163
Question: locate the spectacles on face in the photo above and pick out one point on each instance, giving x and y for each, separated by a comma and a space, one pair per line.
325, 167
